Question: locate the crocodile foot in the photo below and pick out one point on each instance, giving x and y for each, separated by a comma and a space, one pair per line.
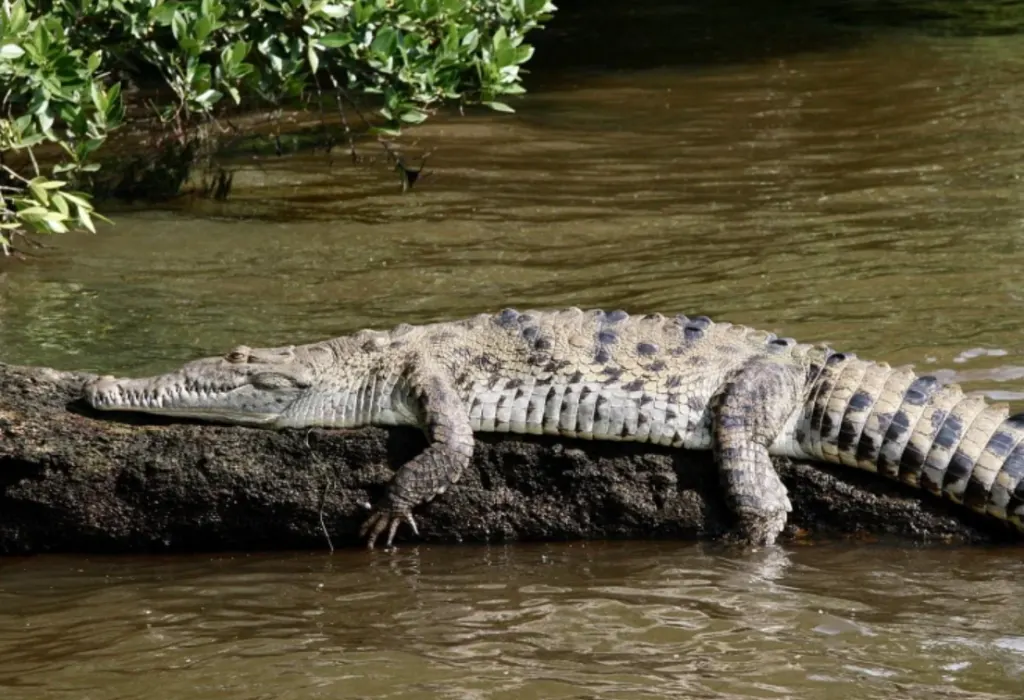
387, 515
764, 527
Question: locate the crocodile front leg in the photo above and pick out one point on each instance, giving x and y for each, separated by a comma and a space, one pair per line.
447, 425
749, 412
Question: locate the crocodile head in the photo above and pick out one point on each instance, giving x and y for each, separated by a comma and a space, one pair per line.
246, 386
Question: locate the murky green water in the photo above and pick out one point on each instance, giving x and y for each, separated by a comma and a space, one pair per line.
801, 174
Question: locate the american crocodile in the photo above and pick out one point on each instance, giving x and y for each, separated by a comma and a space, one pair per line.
668, 380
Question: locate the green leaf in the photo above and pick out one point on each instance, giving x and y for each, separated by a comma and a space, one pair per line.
94, 61
39, 191
499, 107
209, 97
413, 116
85, 219
61, 204
385, 41
335, 40
471, 39
314, 60
11, 51
78, 199
335, 11
56, 225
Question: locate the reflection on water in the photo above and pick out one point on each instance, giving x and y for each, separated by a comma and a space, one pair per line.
804, 175
611, 620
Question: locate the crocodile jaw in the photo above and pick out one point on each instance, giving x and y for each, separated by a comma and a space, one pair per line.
211, 390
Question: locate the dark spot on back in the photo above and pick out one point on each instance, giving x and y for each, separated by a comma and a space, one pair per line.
525, 319
514, 383
646, 400
929, 484
920, 389
1001, 443
692, 332
656, 366
530, 332
556, 366
867, 448
949, 433
674, 381
635, 385
960, 468
847, 434
827, 425
653, 317
646, 349
696, 403
1017, 498
696, 360
860, 401
1015, 421
911, 460
782, 342
607, 336
975, 495
616, 316
897, 426
542, 344
614, 372
800, 433
602, 356
938, 416
835, 358
507, 318
1013, 467
396, 344
576, 377
585, 391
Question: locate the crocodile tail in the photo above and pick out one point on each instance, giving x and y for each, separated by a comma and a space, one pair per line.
916, 430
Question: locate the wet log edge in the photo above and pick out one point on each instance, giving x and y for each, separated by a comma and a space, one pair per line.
75, 481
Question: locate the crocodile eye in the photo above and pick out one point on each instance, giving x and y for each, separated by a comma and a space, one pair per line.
239, 355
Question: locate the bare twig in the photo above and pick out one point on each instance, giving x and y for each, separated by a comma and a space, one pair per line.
323, 525
339, 93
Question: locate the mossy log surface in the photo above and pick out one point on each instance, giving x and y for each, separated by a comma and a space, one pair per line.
76, 481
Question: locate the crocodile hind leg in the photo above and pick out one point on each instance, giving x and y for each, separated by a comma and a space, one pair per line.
748, 415
419, 480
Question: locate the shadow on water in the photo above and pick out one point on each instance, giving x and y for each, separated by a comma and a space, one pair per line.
604, 35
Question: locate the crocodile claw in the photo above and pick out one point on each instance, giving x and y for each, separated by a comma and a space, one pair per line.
389, 518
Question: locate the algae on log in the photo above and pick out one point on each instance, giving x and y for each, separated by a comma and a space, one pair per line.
73, 481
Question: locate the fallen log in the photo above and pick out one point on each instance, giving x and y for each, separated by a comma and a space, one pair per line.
76, 481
